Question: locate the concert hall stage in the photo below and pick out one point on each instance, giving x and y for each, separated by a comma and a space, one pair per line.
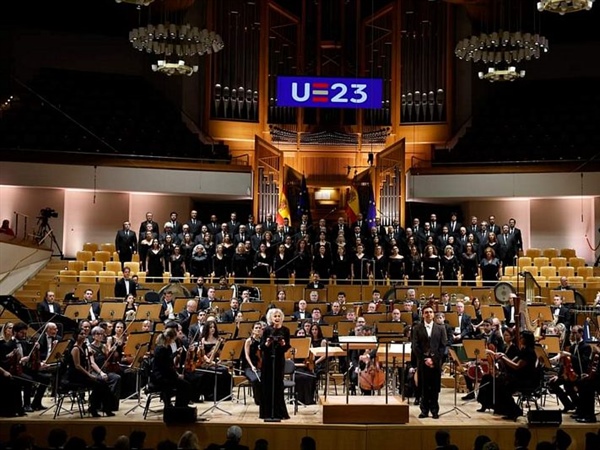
417, 433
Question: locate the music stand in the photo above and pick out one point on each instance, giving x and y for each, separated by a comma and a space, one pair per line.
492, 311
82, 287
230, 346
344, 327
56, 356
77, 311
387, 328
149, 311
551, 344
474, 349
541, 314
395, 346
245, 329
406, 317
112, 311
568, 296
231, 353
227, 328
136, 366
456, 363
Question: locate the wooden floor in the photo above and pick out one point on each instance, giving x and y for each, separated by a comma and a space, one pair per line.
463, 422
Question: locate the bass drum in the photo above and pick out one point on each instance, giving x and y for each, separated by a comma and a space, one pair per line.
178, 289
503, 292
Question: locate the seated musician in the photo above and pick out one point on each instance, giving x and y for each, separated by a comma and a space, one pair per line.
30, 373
465, 327
521, 373
164, 374
104, 356
212, 371
82, 370
185, 317
305, 377
360, 360
252, 360
230, 315
12, 402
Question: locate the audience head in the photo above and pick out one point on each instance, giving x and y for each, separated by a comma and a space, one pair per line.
234, 433
75, 443
562, 440
98, 433
261, 444
57, 437
167, 444
308, 443
189, 441
136, 439
522, 437
122, 443
442, 437
23, 442
480, 441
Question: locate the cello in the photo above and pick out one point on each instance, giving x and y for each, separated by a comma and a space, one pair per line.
372, 377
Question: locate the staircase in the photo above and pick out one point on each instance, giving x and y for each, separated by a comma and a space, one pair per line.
33, 291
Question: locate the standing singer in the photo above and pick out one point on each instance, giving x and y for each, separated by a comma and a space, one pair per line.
274, 343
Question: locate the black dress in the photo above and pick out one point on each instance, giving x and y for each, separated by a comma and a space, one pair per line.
220, 265
155, 265
272, 403
252, 376
240, 267
396, 268
431, 268
341, 269
302, 264
177, 267
469, 264
282, 268
379, 267
222, 377
261, 272
489, 270
450, 268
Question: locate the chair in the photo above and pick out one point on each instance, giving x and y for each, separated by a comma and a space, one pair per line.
558, 261
108, 247
67, 276
568, 252
141, 277
289, 382
135, 257
102, 255
113, 266
152, 392
242, 383
553, 281
115, 256
576, 261
84, 255
541, 280
541, 261
76, 393
566, 271
106, 276
533, 270
90, 246
585, 271
575, 282
548, 271
96, 266
550, 252
510, 271
525, 396
76, 265
166, 277
87, 276
133, 266
592, 282
525, 261
533, 252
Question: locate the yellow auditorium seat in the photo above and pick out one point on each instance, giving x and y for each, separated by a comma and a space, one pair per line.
568, 252
533, 252
592, 282
102, 255
566, 271
533, 270
96, 266
558, 261
166, 277
548, 271
141, 277
114, 266
115, 256
576, 282
135, 257
540, 280
90, 247
134, 266
76, 265
108, 247
550, 252
84, 255
553, 282
107, 276
525, 261
541, 261
67, 276
87, 276
576, 261
584, 271
509, 271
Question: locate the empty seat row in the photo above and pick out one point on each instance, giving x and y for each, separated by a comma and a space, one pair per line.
552, 282
550, 271
556, 261
550, 252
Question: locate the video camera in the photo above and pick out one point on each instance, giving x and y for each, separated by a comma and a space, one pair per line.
47, 213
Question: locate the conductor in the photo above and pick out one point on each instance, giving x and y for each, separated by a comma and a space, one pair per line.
429, 343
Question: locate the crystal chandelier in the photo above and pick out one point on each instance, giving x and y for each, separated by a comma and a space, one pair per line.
174, 43
565, 6
509, 74
136, 2
501, 47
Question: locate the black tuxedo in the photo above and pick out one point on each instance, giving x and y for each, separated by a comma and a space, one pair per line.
198, 291
364, 227
121, 289
142, 232
564, 315
95, 308
241, 238
43, 309
466, 326
506, 310
177, 226
234, 227
518, 237
184, 318
125, 244
433, 347
45, 347
195, 227
229, 316
312, 285
213, 227
508, 248
298, 316
454, 228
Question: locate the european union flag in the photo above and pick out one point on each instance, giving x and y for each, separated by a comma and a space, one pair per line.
372, 209
303, 201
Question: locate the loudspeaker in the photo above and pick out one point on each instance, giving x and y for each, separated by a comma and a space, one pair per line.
180, 414
544, 417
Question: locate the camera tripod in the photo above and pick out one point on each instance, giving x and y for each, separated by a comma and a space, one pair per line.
44, 232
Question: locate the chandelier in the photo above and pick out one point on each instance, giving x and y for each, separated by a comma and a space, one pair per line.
501, 47
174, 43
509, 74
136, 2
564, 6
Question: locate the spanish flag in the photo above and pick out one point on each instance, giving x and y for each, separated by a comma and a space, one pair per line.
283, 211
352, 205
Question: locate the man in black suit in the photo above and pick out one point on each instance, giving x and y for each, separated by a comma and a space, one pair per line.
199, 290
561, 313
48, 307
204, 303
241, 236
194, 223
465, 325
492, 226
233, 224
429, 345
126, 243
94, 314
149, 221
213, 226
125, 285
185, 317
510, 311
361, 224
234, 436
436, 227
230, 315
269, 224
176, 224
167, 311
454, 225
508, 247
302, 313
512, 229
316, 282
48, 341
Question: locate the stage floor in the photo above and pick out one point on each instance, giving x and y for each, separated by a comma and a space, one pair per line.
463, 422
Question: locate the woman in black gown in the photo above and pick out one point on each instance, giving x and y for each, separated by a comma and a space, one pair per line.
302, 262
274, 343
240, 264
178, 267
414, 265
380, 264
360, 266
469, 264
261, 271
220, 263
450, 265
252, 360
340, 269
155, 264
431, 265
491, 267
281, 265
396, 265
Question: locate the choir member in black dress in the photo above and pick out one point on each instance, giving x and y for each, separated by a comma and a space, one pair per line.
302, 262
340, 268
177, 264
450, 265
414, 265
200, 261
360, 265
252, 361
491, 267
155, 264
274, 343
380, 264
240, 264
220, 263
281, 265
469, 263
261, 271
321, 263
395, 265
431, 265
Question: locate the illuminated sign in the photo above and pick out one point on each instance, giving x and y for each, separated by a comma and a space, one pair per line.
319, 92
